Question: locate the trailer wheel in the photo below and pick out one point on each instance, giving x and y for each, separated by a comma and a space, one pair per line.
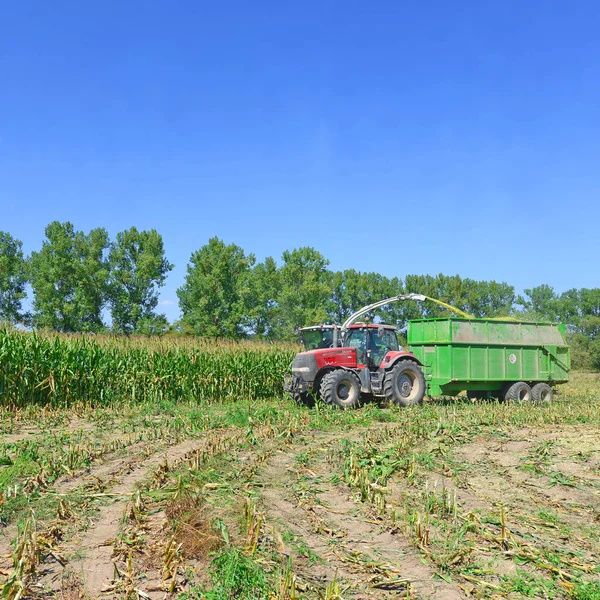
340, 388
518, 391
405, 384
542, 392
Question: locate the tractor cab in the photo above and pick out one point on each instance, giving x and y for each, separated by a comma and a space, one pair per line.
316, 337
372, 342
339, 366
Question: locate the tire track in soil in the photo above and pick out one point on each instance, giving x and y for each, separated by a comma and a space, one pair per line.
7, 535
132, 470
96, 569
495, 476
30, 432
340, 518
106, 467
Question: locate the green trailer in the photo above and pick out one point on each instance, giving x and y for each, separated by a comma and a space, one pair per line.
514, 360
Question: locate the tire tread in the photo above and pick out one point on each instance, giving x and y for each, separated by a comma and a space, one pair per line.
388, 384
538, 390
326, 388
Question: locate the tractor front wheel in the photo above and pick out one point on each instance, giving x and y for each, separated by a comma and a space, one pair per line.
340, 388
405, 383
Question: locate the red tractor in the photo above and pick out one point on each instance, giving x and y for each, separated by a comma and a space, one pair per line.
368, 361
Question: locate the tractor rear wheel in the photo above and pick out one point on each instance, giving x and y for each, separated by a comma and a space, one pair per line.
405, 384
542, 392
518, 391
340, 388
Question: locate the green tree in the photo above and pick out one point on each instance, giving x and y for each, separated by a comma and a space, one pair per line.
138, 268
421, 284
69, 279
484, 298
477, 298
589, 306
305, 289
153, 324
541, 302
595, 354
215, 299
580, 310
12, 279
264, 285
352, 290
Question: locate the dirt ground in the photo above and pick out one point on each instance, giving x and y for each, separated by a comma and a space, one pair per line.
381, 505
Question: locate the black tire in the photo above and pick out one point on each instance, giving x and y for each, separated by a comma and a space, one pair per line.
340, 388
542, 392
518, 391
405, 384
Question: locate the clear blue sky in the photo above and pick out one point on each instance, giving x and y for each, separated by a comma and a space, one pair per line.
398, 137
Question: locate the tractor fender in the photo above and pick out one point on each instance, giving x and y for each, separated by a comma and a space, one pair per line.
391, 358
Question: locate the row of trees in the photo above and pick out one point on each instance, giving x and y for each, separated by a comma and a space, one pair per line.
227, 294
77, 278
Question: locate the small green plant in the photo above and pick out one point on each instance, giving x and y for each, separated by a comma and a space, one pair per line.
304, 550
237, 577
302, 458
548, 517
586, 591
524, 584
333, 591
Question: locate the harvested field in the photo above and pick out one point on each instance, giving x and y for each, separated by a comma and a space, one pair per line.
264, 499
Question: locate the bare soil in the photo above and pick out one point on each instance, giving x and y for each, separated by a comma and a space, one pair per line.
347, 539
546, 482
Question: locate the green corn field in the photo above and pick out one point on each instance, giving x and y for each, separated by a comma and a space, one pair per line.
61, 370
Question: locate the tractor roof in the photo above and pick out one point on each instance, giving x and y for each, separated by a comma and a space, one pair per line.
371, 326
359, 325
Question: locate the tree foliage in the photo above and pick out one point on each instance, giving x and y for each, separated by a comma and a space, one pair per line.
304, 290
264, 286
69, 279
13, 279
138, 268
215, 298
351, 290
76, 276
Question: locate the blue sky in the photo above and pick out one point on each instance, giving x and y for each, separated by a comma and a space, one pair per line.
430, 137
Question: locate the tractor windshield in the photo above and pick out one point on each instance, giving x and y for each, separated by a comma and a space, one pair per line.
373, 344
315, 338
381, 341
355, 338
